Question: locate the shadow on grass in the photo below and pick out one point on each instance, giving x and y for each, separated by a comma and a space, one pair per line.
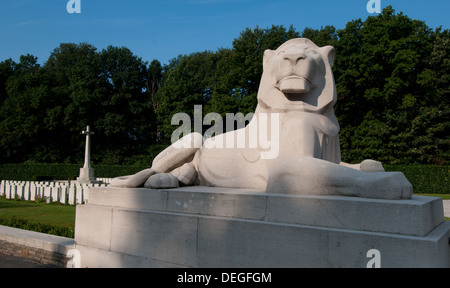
16, 204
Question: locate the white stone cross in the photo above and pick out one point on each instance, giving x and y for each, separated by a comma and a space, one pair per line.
87, 172
87, 154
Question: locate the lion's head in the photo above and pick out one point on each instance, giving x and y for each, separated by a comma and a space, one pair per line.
298, 76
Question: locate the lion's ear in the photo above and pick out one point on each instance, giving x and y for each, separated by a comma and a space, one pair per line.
268, 54
329, 52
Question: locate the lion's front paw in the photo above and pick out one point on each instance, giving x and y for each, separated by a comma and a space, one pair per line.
371, 166
133, 181
185, 174
386, 185
162, 181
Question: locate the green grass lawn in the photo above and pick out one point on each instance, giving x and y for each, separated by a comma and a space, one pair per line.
54, 218
443, 196
51, 214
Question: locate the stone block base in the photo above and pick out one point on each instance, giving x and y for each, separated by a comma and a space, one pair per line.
87, 176
222, 227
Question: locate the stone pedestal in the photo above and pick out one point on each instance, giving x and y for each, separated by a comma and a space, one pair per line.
223, 227
87, 176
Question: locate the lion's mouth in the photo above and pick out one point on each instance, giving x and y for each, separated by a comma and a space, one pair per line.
294, 87
294, 97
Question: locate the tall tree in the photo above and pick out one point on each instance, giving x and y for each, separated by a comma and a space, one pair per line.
188, 81
126, 117
325, 36
6, 71
46, 107
154, 81
22, 112
379, 66
426, 139
76, 91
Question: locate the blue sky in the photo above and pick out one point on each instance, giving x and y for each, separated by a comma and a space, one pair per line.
164, 29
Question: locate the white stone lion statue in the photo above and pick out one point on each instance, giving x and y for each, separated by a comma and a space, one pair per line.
295, 110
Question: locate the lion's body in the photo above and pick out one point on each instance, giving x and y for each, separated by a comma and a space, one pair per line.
298, 136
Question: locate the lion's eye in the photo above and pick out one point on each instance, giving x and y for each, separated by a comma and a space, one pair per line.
311, 52
281, 53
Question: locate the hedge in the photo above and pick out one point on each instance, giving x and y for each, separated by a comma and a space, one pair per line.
37, 227
424, 178
38, 172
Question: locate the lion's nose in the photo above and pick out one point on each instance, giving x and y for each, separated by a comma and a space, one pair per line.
294, 58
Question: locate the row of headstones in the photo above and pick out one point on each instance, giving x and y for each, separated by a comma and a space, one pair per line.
67, 192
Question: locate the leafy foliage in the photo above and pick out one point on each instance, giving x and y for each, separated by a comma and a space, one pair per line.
47, 107
20, 223
389, 102
426, 179
39, 172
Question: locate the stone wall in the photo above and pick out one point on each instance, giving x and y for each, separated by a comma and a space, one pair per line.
35, 254
43, 248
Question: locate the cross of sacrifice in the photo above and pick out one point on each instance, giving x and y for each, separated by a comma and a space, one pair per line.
87, 155
87, 173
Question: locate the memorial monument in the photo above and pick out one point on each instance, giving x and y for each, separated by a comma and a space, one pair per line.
273, 194
297, 94
87, 172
